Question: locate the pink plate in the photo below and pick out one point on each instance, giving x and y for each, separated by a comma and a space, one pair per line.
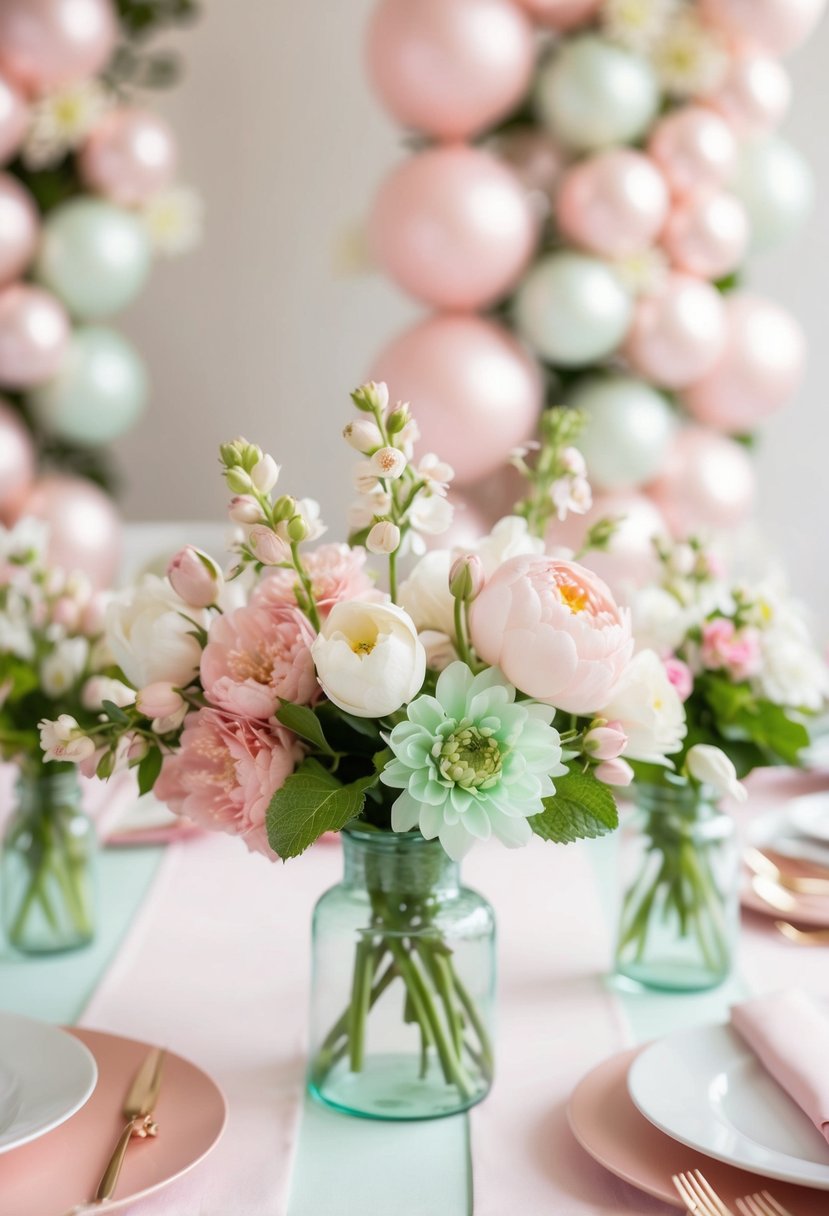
811, 911
610, 1128
64, 1167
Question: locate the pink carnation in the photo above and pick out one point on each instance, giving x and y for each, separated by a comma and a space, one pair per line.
257, 656
336, 572
555, 631
679, 674
226, 773
726, 647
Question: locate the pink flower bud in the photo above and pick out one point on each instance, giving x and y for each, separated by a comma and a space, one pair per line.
605, 742
679, 674
384, 537
159, 700
195, 577
363, 435
245, 510
466, 577
614, 772
267, 547
66, 612
92, 617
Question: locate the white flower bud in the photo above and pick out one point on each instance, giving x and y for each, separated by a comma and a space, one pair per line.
710, 766
363, 435
244, 510
384, 537
265, 474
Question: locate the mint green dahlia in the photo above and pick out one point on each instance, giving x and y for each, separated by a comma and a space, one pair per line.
472, 762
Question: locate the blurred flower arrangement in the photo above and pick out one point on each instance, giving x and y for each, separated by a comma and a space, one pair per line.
628, 155
87, 197
296, 699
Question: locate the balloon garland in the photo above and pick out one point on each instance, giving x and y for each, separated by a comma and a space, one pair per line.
592, 174
87, 197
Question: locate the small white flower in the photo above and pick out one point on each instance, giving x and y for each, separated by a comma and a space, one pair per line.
64, 740
431, 514
792, 672
265, 474
636, 24
63, 667
363, 434
98, 689
574, 462
689, 58
61, 122
363, 512
365, 478
711, 766
407, 438
571, 495
643, 273
384, 537
660, 622
28, 539
309, 509
648, 709
387, 463
368, 657
174, 220
435, 472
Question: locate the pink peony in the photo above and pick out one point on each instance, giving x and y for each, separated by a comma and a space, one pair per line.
679, 674
226, 773
336, 572
724, 647
555, 631
257, 656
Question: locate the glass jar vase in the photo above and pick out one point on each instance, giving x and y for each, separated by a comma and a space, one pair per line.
47, 866
403, 983
679, 916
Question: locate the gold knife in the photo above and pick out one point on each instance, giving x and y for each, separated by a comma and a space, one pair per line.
138, 1111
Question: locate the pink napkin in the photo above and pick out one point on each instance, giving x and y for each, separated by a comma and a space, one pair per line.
789, 1034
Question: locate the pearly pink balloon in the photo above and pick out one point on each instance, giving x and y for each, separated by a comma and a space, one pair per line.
534, 157
694, 148
453, 227
613, 203
630, 561
708, 483
468, 525
84, 527
17, 462
14, 119
474, 389
759, 370
562, 14
775, 25
450, 67
18, 228
707, 234
678, 333
755, 94
34, 332
46, 44
129, 157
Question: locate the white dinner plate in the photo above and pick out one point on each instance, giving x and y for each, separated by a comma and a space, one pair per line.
779, 830
809, 814
706, 1088
45, 1076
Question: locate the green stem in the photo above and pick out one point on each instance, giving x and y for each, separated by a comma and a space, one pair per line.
360, 996
313, 613
393, 576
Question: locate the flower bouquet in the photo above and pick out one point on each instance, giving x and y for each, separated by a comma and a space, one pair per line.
52, 665
465, 704
742, 660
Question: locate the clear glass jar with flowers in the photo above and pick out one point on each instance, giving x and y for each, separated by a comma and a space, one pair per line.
463, 704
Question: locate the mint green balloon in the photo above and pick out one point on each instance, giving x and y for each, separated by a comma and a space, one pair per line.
93, 256
99, 391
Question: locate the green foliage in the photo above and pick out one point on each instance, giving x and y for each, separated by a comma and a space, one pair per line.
311, 802
581, 808
742, 718
148, 770
305, 723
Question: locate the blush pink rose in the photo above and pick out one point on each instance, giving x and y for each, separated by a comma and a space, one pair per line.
226, 773
336, 572
679, 674
256, 657
724, 647
555, 631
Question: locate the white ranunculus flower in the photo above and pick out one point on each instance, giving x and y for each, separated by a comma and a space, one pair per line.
150, 636
509, 538
659, 620
368, 657
425, 594
63, 666
648, 709
792, 672
63, 739
431, 514
711, 766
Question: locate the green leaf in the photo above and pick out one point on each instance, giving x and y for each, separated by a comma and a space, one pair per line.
305, 723
148, 770
581, 808
311, 802
115, 713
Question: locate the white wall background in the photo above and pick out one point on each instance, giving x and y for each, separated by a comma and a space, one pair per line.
259, 333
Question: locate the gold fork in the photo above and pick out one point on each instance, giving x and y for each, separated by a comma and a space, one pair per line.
761, 1204
698, 1195
801, 884
803, 937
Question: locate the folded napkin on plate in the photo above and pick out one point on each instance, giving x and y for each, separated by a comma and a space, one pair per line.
789, 1034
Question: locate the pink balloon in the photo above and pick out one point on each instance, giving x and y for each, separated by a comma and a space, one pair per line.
535, 158
496, 495
694, 149
18, 228
630, 561
129, 157
562, 14
84, 527
475, 391
759, 370
707, 234
453, 227
775, 25
678, 333
34, 332
46, 44
613, 203
450, 67
468, 525
17, 461
14, 119
755, 94
708, 483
